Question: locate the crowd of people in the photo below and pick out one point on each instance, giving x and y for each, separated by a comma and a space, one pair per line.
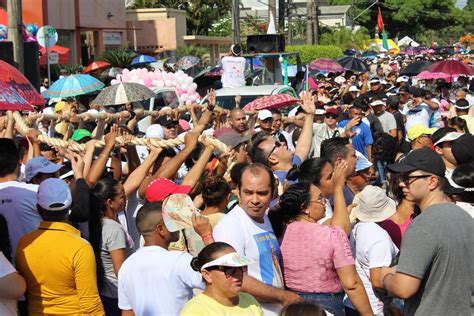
357, 201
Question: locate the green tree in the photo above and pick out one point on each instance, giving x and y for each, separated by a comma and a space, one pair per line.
413, 17
345, 38
119, 58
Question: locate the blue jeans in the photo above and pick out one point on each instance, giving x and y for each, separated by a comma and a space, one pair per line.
332, 302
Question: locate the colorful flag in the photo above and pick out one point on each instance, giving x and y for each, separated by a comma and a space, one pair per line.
380, 21
384, 41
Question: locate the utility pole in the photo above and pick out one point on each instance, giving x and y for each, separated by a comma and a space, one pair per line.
272, 12
14, 31
235, 22
309, 22
316, 22
290, 26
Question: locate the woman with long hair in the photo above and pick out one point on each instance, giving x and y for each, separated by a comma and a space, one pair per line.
111, 244
317, 259
223, 271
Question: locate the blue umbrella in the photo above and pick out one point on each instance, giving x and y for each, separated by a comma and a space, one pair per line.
143, 59
74, 85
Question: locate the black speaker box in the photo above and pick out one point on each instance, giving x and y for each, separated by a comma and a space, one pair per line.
31, 60
266, 43
6, 52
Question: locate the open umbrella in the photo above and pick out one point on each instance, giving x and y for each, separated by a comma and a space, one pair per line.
73, 85
274, 101
369, 54
16, 92
143, 59
111, 72
452, 68
96, 65
354, 64
426, 75
187, 62
415, 68
325, 65
124, 92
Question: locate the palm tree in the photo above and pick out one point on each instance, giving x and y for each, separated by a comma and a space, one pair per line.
119, 58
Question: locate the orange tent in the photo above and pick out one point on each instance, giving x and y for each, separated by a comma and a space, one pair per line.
467, 38
63, 54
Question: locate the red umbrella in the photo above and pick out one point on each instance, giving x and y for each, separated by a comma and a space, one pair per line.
274, 101
16, 92
452, 68
325, 65
97, 65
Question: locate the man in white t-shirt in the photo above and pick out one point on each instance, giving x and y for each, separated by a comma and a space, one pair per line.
233, 66
13, 286
155, 281
248, 229
17, 199
387, 120
372, 246
420, 111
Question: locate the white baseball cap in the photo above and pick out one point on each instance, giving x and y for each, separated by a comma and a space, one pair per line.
232, 259
449, 137
155, 131
362, 162
39, 165
264, 114
374, 205
377, 102
354, 89
54, 195
402, 79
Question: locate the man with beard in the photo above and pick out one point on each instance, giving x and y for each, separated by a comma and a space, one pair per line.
238, 121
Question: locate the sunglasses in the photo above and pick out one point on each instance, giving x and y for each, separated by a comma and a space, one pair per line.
277, 145
410, 179
228, 271
330, 116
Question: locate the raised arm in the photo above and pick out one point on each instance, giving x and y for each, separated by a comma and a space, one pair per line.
98, 167
303, 146
340, 217
136, 177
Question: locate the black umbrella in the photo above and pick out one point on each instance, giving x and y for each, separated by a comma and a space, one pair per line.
415, 68
354, 64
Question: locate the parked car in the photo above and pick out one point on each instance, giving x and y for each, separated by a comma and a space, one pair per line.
225, 97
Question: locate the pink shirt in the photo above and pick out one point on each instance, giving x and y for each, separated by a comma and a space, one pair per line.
311, 254
396, 231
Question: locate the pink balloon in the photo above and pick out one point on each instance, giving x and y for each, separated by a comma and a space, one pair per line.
125, 71
160, 84
114, 81
190, 90
185, 86
168, 83
148, 83
194, 86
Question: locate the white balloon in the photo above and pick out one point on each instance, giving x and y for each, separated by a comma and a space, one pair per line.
194, 86
135, 78
175, 83
168, 83
184, 97
189, 80
125, 71
114, 81
192, 97
155, 83
160, 84
185, 86
190, 90
141, 82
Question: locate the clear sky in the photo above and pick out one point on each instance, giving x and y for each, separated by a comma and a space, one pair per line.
461, 3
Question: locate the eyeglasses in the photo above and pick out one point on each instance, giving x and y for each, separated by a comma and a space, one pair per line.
277, 145
228, 271
410, 179
320, 200
330, 116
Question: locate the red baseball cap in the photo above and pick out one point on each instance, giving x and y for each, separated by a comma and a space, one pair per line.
161, 188
333, 111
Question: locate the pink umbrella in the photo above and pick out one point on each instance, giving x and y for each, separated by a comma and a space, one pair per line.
274, 101
452, 68
426, 75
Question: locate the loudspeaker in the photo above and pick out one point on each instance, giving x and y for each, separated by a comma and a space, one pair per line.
31, 61
6, 52
266, 43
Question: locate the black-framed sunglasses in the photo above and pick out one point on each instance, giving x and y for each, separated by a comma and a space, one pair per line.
228, 271
277, 145
407, 179
331, 116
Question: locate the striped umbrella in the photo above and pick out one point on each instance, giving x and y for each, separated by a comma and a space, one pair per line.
124, 92
325, 65
143, 59
74, 85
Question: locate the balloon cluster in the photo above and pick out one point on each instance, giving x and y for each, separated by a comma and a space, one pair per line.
3, 32
29, 32
181, 82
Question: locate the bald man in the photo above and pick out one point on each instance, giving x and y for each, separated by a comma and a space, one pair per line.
238, 121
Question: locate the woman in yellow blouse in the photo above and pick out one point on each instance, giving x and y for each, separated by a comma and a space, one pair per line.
223, 271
